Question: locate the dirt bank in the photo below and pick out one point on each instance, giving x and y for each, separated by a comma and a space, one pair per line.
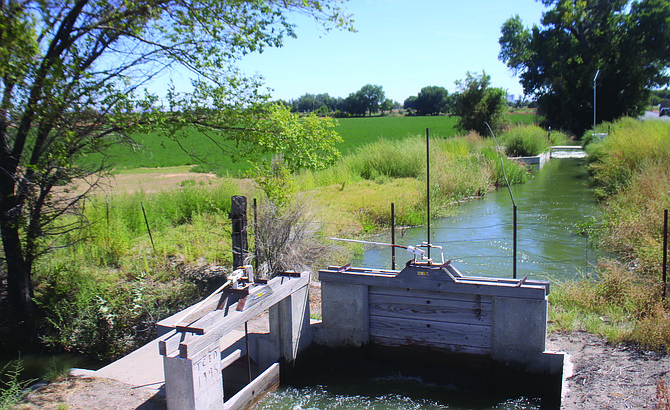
611, 377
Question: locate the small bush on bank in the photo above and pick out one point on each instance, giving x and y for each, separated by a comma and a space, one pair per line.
525, 141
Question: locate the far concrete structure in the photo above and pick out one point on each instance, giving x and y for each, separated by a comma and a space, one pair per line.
433, 308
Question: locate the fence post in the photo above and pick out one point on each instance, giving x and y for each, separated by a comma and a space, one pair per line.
146, 221
238, 215
514, 244
665, 251
392, 236
428, 191
255, 206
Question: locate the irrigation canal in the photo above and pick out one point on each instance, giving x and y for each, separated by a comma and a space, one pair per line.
478, 239
551, 209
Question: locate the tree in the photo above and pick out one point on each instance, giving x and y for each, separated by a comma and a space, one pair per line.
388, 105
432, 100
368, 99
558, 62
354, 104
478, 104
410, 103
70, 79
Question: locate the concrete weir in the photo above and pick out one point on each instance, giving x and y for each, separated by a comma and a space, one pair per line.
227, 351
434, 308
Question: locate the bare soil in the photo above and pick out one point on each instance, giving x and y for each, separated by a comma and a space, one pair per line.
611, 377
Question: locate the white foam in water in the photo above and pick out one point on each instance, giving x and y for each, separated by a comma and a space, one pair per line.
568, 154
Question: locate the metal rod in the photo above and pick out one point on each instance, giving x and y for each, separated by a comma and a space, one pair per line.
665, 251
428, 188
246, 341
594, 102
392, 236
514, 246
255, 205
146, 221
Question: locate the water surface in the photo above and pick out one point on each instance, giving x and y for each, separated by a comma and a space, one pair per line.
479, 238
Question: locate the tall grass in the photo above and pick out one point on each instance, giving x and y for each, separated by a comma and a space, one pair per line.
630, 167
614, 304
365, 183
630, 146
103, 294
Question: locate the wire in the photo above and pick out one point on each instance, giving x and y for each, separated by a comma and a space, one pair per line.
502, 164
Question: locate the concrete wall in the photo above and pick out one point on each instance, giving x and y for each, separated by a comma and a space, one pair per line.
436, 308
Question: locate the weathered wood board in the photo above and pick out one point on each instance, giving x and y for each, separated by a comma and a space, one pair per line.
445, 320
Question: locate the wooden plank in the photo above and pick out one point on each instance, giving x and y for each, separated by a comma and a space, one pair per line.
413, 347
282, 287
169, 342
256, 296
195, 312
423, 293
426, 332
201, 325
267, 381
231, 358
436, 309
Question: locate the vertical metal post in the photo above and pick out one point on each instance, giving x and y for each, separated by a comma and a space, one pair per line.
246, 341
594, 102
514, 246
428, 189
255, 236
665, 251
146, 221
392, 236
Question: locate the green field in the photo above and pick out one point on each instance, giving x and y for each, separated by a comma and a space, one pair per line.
155, 150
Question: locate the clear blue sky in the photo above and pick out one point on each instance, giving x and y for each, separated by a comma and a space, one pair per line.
402, 45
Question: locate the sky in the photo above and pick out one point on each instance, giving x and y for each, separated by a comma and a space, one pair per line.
402, 45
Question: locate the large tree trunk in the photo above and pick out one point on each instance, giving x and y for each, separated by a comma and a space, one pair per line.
19, 282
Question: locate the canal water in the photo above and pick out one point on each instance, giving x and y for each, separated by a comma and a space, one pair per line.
552, 209
479, 240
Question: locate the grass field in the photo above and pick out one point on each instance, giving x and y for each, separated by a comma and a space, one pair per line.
156, 150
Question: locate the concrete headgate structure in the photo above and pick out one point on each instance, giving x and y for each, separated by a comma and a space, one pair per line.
433, 308
425, 308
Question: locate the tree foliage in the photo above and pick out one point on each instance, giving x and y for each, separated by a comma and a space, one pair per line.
71, 80
558, 61
366, 100
432, 100
478, 104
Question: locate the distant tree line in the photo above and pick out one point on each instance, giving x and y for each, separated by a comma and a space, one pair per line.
369, 100
475, 102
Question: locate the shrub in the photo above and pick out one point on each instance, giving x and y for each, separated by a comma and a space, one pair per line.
525, 141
